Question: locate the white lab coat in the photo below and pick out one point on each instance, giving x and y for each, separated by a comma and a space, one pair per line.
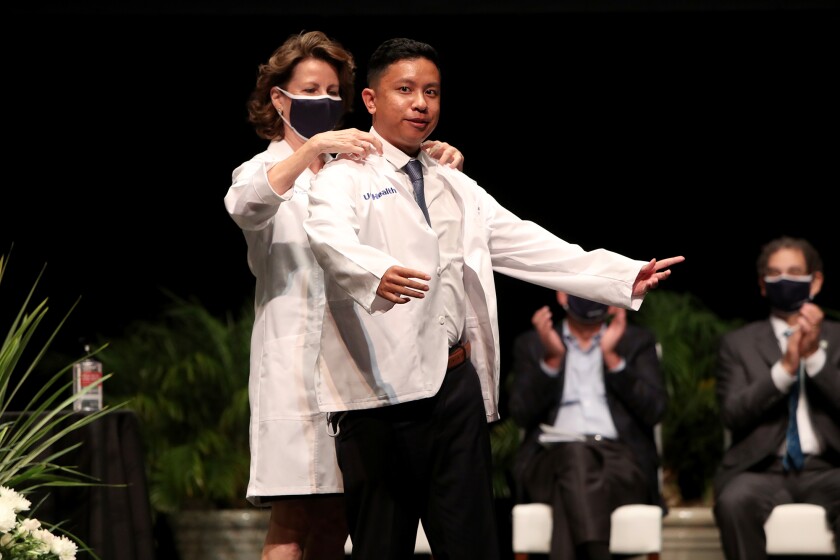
291, 453
363, 219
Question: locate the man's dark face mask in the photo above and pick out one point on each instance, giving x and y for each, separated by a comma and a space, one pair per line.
587, 311
787, 293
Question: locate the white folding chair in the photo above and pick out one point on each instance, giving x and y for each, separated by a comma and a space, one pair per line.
799, 529
635, 529
795, 528
421, 545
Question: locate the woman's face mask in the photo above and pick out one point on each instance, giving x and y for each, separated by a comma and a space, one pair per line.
312, 114
787, 293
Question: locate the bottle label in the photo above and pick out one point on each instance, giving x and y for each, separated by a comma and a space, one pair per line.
88, 377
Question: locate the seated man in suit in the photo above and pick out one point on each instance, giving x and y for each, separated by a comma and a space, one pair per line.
771, 372
588, 393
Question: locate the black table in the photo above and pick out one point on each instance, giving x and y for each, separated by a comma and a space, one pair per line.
115, 522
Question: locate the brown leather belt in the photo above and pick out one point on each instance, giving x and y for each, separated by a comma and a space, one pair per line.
458, 354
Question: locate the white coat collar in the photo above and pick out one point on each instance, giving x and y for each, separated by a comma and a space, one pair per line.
397, 157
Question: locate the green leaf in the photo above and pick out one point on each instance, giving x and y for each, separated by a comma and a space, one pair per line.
186, 376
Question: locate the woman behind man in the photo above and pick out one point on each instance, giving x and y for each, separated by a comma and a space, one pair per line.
300, 96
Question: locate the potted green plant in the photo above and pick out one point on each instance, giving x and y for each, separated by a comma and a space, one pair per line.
186, 376
505, 438
692, 431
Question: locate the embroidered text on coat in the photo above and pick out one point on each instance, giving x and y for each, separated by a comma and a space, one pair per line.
383, 192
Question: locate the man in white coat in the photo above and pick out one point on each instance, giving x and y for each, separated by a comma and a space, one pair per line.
410, 388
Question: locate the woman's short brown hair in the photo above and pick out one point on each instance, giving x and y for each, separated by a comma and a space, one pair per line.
278, 71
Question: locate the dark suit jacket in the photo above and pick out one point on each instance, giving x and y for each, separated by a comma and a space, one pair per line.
755, 411
636, 397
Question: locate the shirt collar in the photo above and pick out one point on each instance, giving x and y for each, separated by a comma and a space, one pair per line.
567, 333
280, 148
283, 149
397, 157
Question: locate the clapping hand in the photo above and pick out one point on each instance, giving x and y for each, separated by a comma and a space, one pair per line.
554, 349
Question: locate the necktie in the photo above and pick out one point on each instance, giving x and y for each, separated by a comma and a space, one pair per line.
415, 171
793, 459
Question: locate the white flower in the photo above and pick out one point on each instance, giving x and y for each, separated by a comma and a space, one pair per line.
8, 519
64, 548
25, 539
10, 504
13, 500
6, 540
28, 525
45, 539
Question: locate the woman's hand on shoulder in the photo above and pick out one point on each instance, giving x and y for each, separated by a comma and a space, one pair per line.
445, 153
353, 142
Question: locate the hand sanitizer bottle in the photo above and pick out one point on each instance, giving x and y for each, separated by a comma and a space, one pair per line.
85, 372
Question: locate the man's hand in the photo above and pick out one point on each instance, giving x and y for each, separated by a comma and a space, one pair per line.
615, 330
810, 321
649, 276
397, 284
554, 350
612, 334
805, 338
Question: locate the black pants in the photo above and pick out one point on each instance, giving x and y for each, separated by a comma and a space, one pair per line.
745, 503
584, 482
423, 460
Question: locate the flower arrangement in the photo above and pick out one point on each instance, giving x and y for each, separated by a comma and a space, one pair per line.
30, 442
25, 539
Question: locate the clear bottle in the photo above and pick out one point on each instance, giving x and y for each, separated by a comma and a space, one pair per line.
85, 372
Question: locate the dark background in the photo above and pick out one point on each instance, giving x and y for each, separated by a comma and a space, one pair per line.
652, 129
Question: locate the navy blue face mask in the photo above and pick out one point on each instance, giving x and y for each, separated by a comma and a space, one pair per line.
313, 114
586, 311
787, 293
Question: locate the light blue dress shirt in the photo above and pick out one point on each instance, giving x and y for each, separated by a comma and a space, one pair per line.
583, 409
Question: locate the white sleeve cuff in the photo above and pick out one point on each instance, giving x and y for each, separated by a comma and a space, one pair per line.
781, 378
620, 367
549, 371
815, 362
